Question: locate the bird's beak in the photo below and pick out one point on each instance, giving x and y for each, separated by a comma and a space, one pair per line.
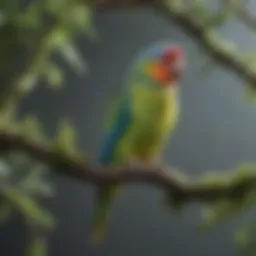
158, 72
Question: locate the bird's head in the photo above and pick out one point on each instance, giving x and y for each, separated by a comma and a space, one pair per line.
165, 64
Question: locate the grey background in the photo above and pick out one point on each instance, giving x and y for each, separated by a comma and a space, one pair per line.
216, 131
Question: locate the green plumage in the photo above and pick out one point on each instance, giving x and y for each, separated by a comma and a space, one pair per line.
139, 128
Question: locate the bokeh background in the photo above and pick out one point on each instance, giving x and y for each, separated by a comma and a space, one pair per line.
216, 131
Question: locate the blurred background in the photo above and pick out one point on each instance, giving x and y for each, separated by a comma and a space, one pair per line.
216, 131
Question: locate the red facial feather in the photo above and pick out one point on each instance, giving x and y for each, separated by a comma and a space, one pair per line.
169, 68
172, 54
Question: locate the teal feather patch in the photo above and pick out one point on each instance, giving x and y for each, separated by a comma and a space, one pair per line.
115, 131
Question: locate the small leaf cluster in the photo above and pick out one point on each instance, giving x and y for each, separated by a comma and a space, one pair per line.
38, 32
23, 180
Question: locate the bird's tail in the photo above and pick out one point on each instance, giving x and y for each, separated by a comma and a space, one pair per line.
102, 212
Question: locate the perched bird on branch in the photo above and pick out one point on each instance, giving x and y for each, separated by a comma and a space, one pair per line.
141, 121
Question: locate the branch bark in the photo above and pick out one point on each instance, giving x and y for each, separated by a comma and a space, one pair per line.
163, 178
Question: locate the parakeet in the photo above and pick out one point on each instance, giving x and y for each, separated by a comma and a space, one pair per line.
143, 118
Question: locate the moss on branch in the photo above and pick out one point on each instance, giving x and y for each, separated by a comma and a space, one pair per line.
204, 190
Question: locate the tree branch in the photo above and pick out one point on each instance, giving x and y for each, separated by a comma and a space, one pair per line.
156, 176
244, 14
189, 23
183, 190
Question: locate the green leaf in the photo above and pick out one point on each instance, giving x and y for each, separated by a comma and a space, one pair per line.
243, 173
69, 52
75, 16
226, 209
53, 75
250, 59
81, 15
65, 141
31, 17
37, 188
28, 207
215, 180
57, 7
218, 212
81, 19
7, 118
34, 183
57, 38
243, 237
175, 5
199, 9
37, 246
28, 82
31, 129
5, 170
17, 160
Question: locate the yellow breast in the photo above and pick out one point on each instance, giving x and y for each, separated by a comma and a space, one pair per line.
162, 106
154, 115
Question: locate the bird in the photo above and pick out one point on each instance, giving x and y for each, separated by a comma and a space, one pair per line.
141, 120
